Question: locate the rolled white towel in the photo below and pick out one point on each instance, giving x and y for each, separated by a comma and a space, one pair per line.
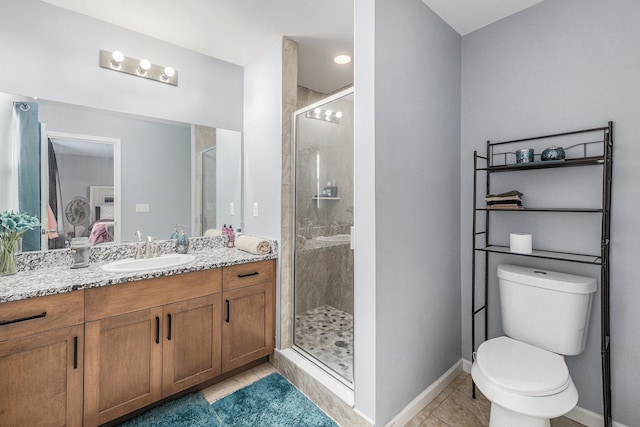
255, 245
212, 232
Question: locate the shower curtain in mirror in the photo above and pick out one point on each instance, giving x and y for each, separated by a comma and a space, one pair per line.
55, 217
27, 130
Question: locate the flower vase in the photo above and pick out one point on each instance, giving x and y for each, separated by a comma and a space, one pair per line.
7, 259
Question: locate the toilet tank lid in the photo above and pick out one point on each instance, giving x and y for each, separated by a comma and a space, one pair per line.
546, 279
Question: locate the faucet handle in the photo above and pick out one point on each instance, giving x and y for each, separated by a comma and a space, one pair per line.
139, 254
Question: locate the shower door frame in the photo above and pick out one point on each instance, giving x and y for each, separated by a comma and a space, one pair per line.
293, 240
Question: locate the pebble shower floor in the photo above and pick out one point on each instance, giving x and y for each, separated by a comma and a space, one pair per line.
326, 333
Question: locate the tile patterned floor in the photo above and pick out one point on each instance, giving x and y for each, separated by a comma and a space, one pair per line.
326, 333
228, 386
455, 407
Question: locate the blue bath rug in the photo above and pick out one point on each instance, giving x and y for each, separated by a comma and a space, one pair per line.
270, 402
192, 410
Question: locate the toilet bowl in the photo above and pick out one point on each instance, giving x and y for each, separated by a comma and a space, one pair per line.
545, 315
526, 385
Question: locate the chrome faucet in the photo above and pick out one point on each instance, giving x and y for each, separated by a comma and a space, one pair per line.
139, 254
150, 249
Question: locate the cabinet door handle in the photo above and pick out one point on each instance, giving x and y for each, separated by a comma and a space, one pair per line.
75, 352
169, 333
228, 314
23, 319
157, 330
242, 276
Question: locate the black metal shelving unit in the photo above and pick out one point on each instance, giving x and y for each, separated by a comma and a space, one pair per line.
503, 162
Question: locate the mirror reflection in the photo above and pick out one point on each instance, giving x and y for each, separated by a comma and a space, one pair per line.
105, 175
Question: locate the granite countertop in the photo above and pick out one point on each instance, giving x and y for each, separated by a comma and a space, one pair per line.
58, 279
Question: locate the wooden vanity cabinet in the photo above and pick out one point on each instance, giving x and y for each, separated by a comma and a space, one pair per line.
41, 360
149, 339
248, 327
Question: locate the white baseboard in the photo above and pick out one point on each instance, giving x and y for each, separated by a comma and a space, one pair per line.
588, 418
578, 414
466, 366
423, 399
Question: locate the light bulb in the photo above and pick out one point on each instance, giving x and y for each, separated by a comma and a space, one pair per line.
116, 59
117, 56
143, 66
317, 110
327, 113
167, 74
339, 114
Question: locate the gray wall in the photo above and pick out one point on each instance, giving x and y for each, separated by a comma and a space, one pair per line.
54, 55
563, 65
417, 169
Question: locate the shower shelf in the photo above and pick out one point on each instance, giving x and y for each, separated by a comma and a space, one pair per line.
482, 248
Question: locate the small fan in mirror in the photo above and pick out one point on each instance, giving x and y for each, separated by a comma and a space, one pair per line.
77, 212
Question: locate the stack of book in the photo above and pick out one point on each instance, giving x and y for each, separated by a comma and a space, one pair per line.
508, 200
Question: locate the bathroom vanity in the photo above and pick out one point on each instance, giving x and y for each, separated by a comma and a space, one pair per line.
121, 342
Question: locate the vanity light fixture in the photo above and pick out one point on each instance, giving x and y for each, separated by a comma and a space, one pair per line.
324, 115
117, 61
342, 59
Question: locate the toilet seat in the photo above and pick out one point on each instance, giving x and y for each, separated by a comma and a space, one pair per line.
521, 368
498, 390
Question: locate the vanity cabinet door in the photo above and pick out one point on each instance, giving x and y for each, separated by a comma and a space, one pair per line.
123, 364
191, 343
41, 377
248, 329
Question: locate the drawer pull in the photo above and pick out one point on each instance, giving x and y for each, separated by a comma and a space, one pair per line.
228, 307
169, 333
242, 276
23, 319
157, 330
75, 352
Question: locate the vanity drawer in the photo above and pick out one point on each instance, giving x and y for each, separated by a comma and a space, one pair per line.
114, 300
238, 276
40, 314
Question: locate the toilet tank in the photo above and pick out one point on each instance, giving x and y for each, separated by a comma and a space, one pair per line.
547, 309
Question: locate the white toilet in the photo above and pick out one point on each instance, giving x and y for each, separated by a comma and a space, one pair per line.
545, 315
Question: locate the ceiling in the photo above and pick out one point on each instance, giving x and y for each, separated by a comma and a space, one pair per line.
237, 31
466, 16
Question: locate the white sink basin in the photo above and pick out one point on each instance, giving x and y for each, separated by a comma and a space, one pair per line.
335, 238
164, 261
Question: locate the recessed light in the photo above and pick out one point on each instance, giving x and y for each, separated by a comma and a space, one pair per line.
342, 59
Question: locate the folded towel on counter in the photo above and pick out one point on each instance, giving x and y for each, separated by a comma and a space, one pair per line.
254, 245
212, 232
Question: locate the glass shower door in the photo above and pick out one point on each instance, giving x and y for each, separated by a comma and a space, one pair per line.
323, 255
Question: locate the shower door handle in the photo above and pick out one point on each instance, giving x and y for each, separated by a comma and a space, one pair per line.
228, 314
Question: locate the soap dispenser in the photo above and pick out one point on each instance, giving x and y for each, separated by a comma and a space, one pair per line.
232, 236
182, 242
